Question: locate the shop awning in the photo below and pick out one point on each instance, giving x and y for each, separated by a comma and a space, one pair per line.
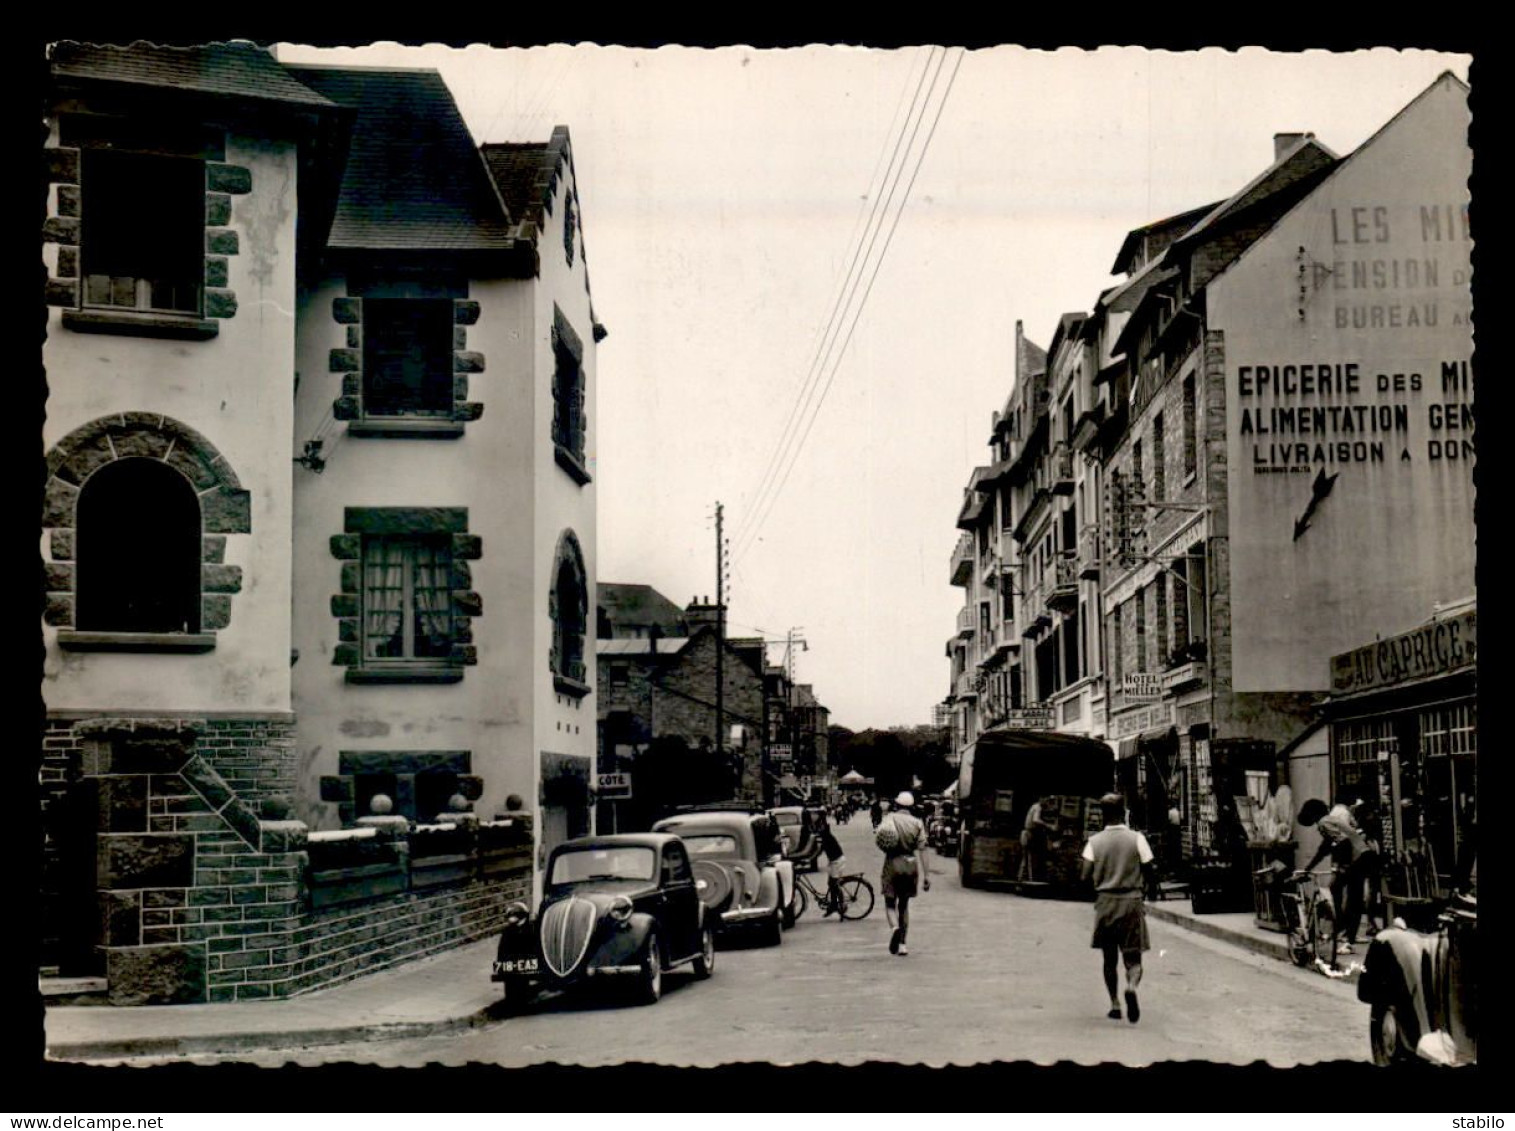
1129, 746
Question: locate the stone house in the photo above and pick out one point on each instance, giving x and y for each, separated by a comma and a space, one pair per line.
318, 527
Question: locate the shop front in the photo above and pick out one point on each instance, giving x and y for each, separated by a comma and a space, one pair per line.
1404, 740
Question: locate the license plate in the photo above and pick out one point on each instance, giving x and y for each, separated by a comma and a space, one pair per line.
516, 966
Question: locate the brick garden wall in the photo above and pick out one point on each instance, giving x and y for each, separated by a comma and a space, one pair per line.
198, 897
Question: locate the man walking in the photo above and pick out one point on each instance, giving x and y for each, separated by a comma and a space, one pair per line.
1115, 859
903, 839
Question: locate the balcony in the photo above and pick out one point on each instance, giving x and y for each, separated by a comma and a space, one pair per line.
1088, 553
1086, 430
966, 685
1062, 584
962, 560
967, 622
1035, 510
1033, 609
1062, 469
1186, 669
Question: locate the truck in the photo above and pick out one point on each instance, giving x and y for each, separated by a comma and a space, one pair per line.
1004, 773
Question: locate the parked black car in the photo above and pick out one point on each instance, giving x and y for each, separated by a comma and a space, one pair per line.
622, 908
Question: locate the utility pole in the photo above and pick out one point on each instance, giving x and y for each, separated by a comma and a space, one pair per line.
791, 638
720, 632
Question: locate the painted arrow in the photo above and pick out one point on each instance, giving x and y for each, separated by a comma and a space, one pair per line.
1318, 491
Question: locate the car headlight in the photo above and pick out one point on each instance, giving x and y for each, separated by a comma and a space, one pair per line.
620, 910
516, 914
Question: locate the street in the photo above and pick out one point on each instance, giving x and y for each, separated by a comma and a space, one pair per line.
990, 976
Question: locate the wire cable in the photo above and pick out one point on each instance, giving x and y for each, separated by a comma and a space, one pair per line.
836, 365
878, 205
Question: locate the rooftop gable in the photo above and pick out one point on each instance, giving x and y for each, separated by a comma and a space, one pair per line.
414, 180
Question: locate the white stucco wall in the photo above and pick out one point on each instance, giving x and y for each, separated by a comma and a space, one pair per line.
233, 389
488, 470
506, 710
1377, 260
564, 724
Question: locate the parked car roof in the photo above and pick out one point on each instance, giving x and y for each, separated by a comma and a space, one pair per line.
619, 840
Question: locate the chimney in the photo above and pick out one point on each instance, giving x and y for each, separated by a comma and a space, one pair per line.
1282, 143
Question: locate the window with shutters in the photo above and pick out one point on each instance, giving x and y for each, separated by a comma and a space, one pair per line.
569, 419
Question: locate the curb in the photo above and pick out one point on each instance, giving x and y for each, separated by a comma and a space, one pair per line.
1273, 949
257, 1042
1270, 948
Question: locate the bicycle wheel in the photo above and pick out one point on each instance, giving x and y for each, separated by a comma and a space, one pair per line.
857, 898
1323, 943
799, 902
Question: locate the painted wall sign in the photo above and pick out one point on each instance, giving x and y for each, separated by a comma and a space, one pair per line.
1343, 342
1439, 648
1127, 723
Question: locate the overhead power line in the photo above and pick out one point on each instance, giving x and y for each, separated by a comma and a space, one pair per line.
843, 297
751, 530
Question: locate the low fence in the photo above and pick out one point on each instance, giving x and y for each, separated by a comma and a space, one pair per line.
373, 896
386, 857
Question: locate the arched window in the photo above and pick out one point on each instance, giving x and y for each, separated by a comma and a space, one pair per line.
138, 551
569, 608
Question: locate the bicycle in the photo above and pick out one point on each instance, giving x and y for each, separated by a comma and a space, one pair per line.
853, 899
1311, 920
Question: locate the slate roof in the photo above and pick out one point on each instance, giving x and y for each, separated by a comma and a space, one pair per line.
631, 605
240, 69
526, 174
414, 180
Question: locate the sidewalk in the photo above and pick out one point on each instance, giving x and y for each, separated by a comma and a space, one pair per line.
447, 992
1240, 929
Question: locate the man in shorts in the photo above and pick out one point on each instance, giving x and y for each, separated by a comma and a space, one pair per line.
1116, 859
905, 865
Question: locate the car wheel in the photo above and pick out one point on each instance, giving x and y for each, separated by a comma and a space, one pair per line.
773, 929
517, 996
650, 977
1391, 1041
704, 963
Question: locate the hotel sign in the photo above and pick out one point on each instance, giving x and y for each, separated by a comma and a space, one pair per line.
1141, 687
1438, 648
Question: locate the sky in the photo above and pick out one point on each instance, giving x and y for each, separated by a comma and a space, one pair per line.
811, 262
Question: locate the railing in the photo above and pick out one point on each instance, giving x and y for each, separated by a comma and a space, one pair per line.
966, 685
967, 621
962, 560
1030, 605
1088, 552
1062, 582
1062, 469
